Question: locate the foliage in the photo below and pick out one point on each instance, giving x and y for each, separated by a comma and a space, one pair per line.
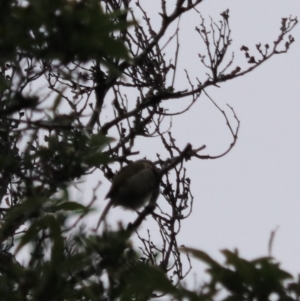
61, 63
45, 29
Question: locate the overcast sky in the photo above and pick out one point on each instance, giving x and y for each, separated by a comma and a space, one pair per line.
242, 197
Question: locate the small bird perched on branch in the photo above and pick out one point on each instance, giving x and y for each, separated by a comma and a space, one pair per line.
133, 186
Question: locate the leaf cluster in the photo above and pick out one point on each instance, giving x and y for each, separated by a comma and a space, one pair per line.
59, 29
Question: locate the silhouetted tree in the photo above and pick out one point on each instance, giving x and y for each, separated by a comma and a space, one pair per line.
66, 70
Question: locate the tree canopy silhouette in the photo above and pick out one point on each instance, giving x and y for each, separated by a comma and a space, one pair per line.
67, 69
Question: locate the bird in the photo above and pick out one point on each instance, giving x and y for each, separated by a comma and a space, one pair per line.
133, 186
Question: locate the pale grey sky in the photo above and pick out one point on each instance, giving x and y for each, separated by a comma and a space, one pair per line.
242, 197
